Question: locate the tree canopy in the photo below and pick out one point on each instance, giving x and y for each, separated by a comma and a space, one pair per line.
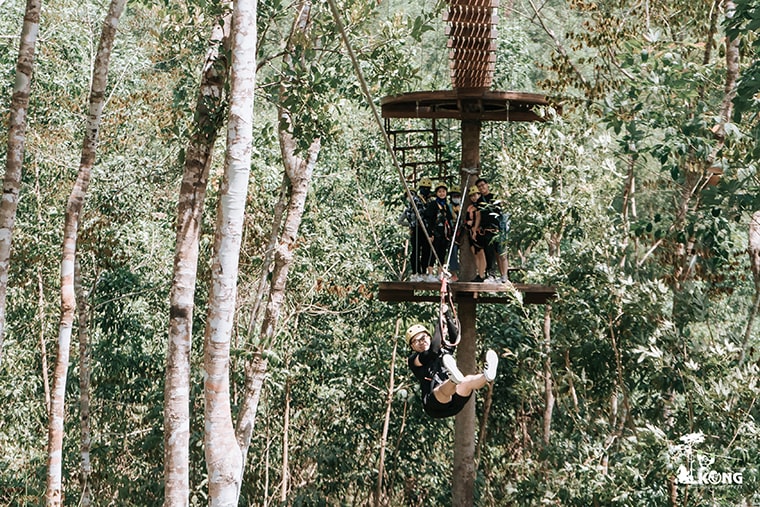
635, 199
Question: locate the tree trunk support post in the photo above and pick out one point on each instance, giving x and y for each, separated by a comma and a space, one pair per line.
463, 485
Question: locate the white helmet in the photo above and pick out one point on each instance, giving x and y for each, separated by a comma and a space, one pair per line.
414, 331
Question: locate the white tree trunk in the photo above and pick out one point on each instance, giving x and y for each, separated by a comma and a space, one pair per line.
16, 142
224, 459
753, 250
54, 493
85, 467
189, 216
299, 173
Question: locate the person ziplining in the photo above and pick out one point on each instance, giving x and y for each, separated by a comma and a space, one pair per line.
445, 389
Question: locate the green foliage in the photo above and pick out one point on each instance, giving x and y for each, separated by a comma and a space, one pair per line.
652, 301
744, 26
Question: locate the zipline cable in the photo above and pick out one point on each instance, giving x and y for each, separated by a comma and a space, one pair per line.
378, 120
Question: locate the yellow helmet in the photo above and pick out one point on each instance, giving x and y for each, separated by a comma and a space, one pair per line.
425, 182
455, 189
441, 184
414, 331
473, 190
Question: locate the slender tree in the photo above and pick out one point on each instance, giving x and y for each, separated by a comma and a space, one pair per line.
224, 460
16, 141
298, 171
208, 121
85, 445
753, 250
54, 493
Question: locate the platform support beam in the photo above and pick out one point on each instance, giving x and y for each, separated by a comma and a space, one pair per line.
463, 483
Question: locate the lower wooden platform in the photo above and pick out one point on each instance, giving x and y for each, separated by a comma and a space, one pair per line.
479, 292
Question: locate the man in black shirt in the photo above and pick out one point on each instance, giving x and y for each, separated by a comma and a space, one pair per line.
445, 390
495, 226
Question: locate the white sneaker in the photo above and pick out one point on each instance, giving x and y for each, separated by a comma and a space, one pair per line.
491, 279
451, 365
432, 278
492, 362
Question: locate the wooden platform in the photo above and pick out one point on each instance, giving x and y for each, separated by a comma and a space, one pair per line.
464, 105
480, 292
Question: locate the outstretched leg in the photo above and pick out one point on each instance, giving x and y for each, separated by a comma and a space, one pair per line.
464, 385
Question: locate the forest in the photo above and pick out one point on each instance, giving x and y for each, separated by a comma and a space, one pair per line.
199, 206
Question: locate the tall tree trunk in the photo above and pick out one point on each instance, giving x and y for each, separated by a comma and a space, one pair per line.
41, 302
43, 346
224, 460
378, 500
266, 265
299, 172
208, 121
83, 329
753, 250
555, 240
548, 378
285, 444
54, 493
15, 153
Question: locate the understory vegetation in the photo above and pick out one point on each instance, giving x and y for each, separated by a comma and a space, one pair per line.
635, 199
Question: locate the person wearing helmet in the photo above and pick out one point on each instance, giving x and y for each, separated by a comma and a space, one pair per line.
420, 252
440, 219
495, 225
424, 187
455, 203
445, 389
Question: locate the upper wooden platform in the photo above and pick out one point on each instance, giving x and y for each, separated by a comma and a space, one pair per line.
480, 292
465, 105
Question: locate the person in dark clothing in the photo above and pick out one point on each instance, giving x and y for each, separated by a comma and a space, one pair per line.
445, 390
455, 203
441, 222
420, 251
495, 227
475, 233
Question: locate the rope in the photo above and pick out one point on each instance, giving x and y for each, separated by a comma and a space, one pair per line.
365, 90
378, 120
470, 173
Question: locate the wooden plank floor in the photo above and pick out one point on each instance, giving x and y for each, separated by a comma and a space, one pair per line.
480, 292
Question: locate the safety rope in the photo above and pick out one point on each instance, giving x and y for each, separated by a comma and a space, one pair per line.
365, 90
378, 120
470, 173
447, 300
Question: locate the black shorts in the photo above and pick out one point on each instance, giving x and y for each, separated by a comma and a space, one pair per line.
477, 243
438, 410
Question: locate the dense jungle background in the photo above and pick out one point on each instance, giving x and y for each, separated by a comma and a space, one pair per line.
639, 203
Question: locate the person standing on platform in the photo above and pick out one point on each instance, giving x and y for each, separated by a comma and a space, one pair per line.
495, 227
471, 221
441, 223
419, 246
455, 202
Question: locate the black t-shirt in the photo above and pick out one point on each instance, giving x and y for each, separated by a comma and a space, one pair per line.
432, 373
490, 213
